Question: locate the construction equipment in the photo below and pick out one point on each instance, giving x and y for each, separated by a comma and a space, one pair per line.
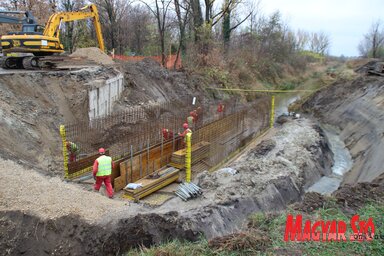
29, 23
46, 44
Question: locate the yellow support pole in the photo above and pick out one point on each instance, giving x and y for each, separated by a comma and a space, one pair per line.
272, 121
188, 157
65, 154
258, 90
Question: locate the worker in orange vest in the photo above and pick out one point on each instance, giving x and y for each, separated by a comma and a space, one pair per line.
102, 170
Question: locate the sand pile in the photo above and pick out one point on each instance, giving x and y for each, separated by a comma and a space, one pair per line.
94, 54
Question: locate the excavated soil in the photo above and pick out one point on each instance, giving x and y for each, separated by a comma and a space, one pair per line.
93, 54
356, 107
149, 83
311, 201
353, 197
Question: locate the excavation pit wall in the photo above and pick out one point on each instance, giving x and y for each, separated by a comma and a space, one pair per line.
269, 178
356, 108
33, 105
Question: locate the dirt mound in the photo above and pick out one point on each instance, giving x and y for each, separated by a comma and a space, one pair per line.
251, 240
263, 148
270, 164
149, 83
348, 197
94, 54
354, 197
311, 202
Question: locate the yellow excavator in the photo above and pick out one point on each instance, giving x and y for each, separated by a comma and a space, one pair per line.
37, 46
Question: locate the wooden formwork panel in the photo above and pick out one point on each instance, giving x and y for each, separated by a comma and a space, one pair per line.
158, 157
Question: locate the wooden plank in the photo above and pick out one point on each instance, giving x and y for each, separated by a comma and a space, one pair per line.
158, 187
116, 171
154, 184
119, 183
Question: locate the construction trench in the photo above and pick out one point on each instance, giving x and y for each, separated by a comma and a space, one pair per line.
275, 167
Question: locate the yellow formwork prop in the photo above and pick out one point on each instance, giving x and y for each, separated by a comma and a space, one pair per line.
65, 154
188, 157
271, 122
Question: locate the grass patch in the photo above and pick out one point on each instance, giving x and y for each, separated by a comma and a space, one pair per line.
265, 236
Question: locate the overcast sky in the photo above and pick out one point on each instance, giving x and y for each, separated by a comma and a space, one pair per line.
344, 21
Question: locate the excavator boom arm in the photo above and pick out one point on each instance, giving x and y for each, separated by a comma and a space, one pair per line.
52, 28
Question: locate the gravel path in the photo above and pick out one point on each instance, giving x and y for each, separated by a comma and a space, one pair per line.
50, 197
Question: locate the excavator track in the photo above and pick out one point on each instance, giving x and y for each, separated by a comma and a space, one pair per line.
31, 63
45, 62
11, 62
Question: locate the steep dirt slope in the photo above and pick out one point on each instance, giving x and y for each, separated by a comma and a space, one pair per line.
357, 109
148, 82
32, 107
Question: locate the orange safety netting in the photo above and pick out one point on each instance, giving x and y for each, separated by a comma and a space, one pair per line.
169, 59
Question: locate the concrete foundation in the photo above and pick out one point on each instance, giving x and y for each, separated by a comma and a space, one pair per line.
102, 94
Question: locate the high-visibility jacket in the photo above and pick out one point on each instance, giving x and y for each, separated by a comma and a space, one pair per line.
190, 121
72, 147
185, 133
104, 165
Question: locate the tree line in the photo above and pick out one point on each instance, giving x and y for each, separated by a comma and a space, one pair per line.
200, 31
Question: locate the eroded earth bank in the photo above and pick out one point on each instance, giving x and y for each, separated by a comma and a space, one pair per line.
42, 214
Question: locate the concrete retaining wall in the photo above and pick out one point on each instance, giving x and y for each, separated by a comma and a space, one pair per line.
102, 94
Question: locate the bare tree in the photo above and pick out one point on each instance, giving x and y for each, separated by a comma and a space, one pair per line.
182, 13
112, 13
319, 43
137, 32
373, 43
302, 39
255, 13
70, 36
228, 17
160, 11
197, 18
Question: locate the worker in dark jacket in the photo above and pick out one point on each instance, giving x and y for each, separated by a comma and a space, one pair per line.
102, 170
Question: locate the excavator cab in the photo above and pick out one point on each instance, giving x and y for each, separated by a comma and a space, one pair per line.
29, 29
